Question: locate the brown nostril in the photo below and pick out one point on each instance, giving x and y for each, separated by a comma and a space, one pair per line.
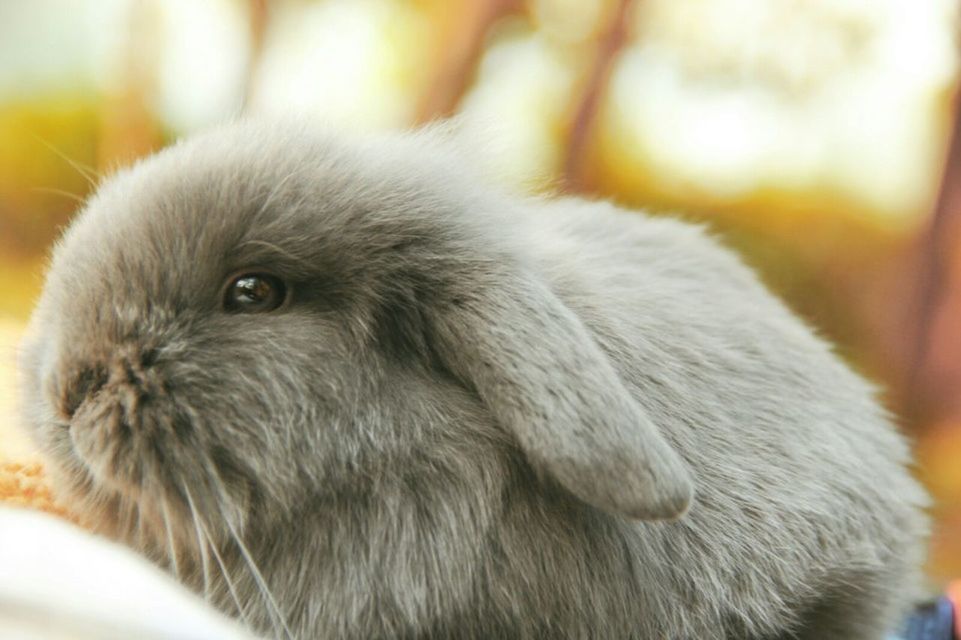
132, 366
148, 358
83, 385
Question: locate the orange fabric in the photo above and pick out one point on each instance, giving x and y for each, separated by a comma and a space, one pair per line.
26, 485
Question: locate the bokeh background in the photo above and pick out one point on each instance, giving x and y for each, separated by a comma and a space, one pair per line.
814, 136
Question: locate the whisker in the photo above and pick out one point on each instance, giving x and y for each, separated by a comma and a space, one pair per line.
61, 192
142, 539
259, 580
202, 531
201, 548
171, 547
132, 526
89, 173
277, 617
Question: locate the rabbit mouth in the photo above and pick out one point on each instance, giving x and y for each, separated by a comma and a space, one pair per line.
102, 433
118, 423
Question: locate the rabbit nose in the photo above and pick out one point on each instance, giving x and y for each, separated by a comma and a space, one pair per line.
128, 367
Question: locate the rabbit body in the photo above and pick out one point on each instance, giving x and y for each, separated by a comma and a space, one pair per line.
477, 415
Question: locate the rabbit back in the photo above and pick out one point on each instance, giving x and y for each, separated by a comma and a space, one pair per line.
802, 487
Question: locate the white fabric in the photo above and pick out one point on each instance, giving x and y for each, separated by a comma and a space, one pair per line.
58, 582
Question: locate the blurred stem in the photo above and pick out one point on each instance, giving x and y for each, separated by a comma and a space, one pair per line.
933, 258
585, 113
258, 18
128, 129
459, 49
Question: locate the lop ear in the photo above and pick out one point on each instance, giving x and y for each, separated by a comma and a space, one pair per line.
542, 376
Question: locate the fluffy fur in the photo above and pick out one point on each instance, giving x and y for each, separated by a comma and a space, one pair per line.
479, 416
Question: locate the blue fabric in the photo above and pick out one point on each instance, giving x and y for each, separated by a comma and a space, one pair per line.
932, 621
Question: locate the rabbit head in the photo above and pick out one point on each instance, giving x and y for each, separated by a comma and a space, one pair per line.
262, 315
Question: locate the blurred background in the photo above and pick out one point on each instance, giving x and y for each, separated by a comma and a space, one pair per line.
817, 137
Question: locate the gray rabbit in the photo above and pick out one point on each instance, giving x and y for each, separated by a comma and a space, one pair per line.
346, 389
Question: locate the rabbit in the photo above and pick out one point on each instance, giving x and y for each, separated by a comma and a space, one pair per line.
344, 386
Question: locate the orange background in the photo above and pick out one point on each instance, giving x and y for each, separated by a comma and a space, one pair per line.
801, 139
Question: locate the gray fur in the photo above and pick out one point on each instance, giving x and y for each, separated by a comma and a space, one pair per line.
481, 416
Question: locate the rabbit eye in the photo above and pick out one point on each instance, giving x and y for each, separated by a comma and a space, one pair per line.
254, 293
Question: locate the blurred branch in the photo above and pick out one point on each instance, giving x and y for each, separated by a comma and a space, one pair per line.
258, 19
460, 49
585, 113
128, 130
932, 278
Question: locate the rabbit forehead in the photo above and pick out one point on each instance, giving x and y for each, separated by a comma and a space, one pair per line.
175, 224
224, 192
157, 243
